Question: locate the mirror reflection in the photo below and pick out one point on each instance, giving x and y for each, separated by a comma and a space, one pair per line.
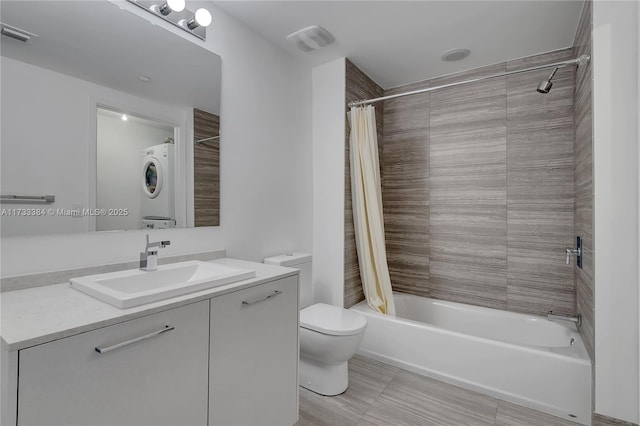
135, 172
65, 91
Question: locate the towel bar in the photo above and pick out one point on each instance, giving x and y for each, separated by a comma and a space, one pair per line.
27, 199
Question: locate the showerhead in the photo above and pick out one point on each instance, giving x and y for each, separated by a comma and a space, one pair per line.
546, 85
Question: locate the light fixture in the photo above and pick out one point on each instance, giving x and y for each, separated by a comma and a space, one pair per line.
176, 13
168, 7
202, 18
455, 55
124, 117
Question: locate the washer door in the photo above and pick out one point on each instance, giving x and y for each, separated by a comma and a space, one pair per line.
152, 177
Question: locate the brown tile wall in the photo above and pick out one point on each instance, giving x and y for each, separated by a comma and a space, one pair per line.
206, 173
468, 190
358, 86
405, 190
540, 193
583, 176
478, 189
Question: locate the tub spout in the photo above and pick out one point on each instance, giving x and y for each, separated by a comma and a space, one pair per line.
571, 318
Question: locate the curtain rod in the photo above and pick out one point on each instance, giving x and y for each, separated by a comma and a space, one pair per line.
583, 59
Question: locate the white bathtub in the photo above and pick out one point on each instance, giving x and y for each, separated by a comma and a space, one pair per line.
520, 358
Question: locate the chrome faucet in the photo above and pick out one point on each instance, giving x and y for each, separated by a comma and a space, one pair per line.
572, 252
149, 258
571, 318
577, 252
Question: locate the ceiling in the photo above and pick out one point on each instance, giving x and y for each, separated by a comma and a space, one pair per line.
400, 42
97, 41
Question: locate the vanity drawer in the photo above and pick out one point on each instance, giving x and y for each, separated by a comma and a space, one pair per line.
151, 371
254, 356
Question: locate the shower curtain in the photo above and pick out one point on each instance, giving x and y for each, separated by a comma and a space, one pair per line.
367, 210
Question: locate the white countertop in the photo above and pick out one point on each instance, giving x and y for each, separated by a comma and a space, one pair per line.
37, 315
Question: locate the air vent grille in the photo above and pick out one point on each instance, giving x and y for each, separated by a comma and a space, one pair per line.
16, 33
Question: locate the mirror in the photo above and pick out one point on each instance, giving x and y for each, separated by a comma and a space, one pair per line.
135, 163
65, 91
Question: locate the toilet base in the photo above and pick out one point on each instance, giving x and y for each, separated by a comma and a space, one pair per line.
325, 379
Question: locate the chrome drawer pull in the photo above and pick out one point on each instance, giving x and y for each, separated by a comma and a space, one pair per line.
134, 340
260, 299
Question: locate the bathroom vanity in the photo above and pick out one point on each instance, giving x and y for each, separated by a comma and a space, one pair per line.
223, 356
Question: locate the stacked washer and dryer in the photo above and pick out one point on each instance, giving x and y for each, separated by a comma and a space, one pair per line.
157, 187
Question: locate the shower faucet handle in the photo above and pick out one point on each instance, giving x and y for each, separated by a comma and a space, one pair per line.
571, 252
577, 252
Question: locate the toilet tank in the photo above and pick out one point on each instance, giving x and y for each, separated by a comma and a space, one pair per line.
301, 261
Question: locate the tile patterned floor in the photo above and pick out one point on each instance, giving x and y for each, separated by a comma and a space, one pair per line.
382, 395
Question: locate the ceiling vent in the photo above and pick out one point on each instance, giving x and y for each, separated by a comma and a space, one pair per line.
16, 33
311, 38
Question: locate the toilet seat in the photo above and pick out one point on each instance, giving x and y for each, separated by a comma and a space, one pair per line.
331, 320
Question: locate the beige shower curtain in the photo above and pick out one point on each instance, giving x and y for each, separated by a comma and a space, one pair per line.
367, 210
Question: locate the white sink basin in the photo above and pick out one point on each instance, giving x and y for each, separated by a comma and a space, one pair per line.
125, 289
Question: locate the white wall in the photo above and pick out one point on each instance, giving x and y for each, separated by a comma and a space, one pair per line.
265, 150
49, 126
43, 135
119, 172
615, 67
329, 85
266, 204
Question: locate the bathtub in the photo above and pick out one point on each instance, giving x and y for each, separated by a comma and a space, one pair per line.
524, 359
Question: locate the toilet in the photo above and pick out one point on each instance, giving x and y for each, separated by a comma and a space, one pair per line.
329, 335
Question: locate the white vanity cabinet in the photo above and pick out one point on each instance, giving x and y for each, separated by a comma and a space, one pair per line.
152, 371
229, 357
254, 356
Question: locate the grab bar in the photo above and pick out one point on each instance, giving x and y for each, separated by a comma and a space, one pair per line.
21, 199
134, 340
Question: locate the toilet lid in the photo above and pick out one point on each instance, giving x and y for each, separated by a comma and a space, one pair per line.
328, 319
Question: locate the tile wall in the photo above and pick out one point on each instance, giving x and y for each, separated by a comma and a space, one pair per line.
478, 189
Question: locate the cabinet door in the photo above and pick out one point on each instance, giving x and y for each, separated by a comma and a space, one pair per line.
254, 356
158, 380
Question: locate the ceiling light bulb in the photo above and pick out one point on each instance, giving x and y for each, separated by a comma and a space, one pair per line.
202, 18
176, 5
124, 117
168, 7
